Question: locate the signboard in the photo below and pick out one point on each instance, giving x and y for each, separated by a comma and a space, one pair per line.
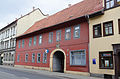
46, 51
94, 61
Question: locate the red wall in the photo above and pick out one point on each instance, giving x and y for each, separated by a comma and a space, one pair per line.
66, 45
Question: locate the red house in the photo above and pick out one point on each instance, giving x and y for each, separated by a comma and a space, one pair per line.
59, 42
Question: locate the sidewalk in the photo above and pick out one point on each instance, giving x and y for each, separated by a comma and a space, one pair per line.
55, 74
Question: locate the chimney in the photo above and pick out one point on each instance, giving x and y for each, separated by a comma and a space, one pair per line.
69, 5
33, 8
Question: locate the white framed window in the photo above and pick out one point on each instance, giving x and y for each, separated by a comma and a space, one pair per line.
78, 57
44, 57
35, 40
67, 33
40, 39
23, 43
19, 45
26, 57
18, 58
38, 57
33, 57
77, 31
30, 41
50, 37
58, 35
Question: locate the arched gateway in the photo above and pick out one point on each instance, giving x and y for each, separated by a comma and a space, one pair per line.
58, 61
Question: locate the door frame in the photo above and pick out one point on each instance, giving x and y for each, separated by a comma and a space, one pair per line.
51, 59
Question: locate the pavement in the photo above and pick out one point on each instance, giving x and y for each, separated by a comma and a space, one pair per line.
51, 74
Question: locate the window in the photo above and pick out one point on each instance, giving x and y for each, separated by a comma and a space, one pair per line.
18, 44
26, 57
106, 60
35, 40
77, 31
23, 43
78, 57
109, 3
97, 31
33, 57
108, 28
118, 2
119, 25
58, 35
50, 37
38, 58
18, 58
30, 41
67, 33
44, 57
40, 39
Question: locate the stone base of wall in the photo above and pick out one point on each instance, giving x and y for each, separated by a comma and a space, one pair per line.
48, 69
106, 76
8, 64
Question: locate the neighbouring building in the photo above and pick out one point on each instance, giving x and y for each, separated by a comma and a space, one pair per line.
9, 33
59, 42
104, 31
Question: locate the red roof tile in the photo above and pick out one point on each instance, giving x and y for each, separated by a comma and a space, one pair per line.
80, 9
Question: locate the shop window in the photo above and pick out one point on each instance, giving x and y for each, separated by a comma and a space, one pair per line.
38, 58
77, 31
30, 41
23, 43
40, 39
109, 3
33, 57
108, 28
19, 44
67, 34
58, 35
34, 40
50, 37
78, 57
44, 57
97, 31
106, 60
26, 57
18, 58
119, 25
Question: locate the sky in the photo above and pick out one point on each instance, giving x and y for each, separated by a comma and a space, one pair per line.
12, 9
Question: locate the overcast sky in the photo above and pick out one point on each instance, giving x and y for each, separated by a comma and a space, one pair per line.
11, 9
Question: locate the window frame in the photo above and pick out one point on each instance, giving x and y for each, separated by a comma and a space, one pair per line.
100, 66
58, 31
40, 39
33, 57
26, 59
82, 59
37, 58
119, 25
69, 33
18, 58
105, 2
30, 42
44, 57
51, 36
35, 39
108, 28
23, 43
94, 26
78, 31
19, 44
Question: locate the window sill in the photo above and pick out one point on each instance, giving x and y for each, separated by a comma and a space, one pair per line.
97, 36
105, 68
77, 65
108, 35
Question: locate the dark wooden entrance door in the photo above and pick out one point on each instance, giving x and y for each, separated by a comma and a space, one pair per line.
58, 62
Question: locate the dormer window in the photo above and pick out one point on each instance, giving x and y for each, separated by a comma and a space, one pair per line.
109, 3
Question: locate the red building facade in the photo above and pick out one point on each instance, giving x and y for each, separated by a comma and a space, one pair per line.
59, 42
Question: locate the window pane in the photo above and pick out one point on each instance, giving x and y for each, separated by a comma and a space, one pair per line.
38, 58
107, 5
77, 31
40, 39
50, 37
45, 58
68, 34
35, 40
78, 57
112, 3
58, 35
33, 57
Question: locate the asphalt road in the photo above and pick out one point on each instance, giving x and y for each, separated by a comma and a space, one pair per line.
6, 73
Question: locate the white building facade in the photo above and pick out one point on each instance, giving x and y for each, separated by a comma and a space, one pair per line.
9, 33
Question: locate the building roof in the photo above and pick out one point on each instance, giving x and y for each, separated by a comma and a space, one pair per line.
83, 8
20, 18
